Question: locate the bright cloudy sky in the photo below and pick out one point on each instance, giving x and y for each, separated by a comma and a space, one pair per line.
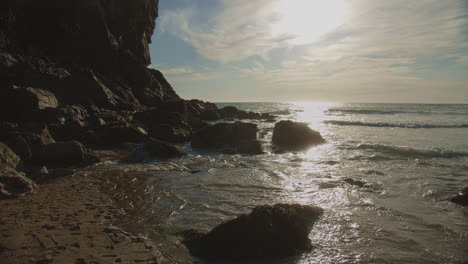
314, 50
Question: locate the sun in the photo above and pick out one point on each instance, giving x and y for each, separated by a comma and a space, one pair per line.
308, 20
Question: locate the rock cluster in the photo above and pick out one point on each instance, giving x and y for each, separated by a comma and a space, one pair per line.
278, 230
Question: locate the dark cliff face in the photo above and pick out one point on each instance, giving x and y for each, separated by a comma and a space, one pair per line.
86, 52
90, 32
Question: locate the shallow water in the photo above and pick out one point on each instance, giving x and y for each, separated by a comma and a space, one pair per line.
411, 158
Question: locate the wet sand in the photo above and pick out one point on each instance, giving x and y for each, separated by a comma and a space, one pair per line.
78, 219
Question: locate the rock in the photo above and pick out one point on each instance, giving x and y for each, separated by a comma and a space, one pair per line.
210, 115
38, 173
169, 133
19, 145
65, 114
63, 154
162, 149
14, 184
461, 198
237, 136
87, 88
268, 231
355, 182
8, 158
20, 104
117, 135
289, 135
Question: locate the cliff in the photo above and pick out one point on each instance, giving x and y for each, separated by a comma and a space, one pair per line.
61, 46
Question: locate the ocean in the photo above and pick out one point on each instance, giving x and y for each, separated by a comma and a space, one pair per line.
384, 179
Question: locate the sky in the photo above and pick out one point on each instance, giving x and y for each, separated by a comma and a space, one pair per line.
396, 51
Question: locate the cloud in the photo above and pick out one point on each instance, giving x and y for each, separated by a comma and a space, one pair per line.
382, 48
463, 60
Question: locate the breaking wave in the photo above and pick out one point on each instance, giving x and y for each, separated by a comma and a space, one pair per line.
383, 124
411, 152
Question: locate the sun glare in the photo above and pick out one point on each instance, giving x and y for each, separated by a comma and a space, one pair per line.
308, 20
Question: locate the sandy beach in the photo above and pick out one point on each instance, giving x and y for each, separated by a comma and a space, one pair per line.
73, 220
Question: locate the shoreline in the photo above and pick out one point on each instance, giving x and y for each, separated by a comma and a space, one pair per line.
75, 219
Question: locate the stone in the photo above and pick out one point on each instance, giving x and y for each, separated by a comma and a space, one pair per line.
19, 145
289, 135
461, 198
169, 133
117, 135
236, 136
268, 231
210, 115
63, 154
22, 104
162, 149
14, 184
8, 158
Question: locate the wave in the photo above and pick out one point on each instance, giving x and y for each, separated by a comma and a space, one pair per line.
364, 111
281, 112
411, 152
383, 124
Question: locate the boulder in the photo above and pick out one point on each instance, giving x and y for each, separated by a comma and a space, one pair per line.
65, 114
268, 231
210, 115
8, 158
169, 133
21, 104
63, 154
162, 149
19, 145
289, 135
237, 136
14, 184
117, 135
461, 198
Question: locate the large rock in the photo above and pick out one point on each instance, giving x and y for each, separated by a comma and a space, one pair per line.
116, 135
238, 137
63, 154
461, 198
289, 135
8, 158
21, 104
278, 230
19, 145
162, 149
14, 184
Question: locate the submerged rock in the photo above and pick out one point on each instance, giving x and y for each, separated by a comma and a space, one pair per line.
14, 184
461, 198
236, 137
289, 135
278, 230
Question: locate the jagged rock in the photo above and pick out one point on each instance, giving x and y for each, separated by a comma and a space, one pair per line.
157, 117
231, 112
210, 115
162, 149
8, 158
20, 104
87, 88
236, 136
19, 145
14, 184
289, 135
278, 230
62, 115
461, 198
117, 135
169, 133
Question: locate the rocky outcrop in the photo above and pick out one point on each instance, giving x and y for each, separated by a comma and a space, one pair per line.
278, 230
289, 135
14, 184
236, 137
461, 198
